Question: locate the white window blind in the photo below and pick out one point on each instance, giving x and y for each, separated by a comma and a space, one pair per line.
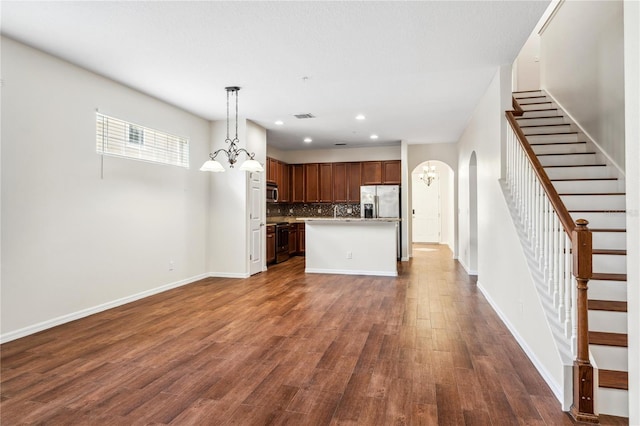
123, 139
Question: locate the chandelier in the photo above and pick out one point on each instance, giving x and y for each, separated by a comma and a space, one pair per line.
428, 174
232, 152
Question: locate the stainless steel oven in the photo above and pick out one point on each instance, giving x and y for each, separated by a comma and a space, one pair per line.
282, 241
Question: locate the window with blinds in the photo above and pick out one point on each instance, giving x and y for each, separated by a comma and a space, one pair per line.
123, 139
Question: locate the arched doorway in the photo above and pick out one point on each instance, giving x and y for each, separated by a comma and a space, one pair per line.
473, 214
432, 204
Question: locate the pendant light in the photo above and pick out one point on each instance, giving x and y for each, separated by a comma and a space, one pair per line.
250, 165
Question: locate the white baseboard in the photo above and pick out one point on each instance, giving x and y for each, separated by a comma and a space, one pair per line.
351, 272
44, 325
229, 274
467, 269
556, 388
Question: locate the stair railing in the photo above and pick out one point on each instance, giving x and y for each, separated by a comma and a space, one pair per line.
563, 251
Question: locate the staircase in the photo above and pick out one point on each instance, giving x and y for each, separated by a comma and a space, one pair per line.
590, 189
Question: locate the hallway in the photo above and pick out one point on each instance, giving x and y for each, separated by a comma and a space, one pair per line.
285, 347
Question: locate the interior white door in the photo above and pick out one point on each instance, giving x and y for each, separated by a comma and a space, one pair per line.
256, 201
426, 211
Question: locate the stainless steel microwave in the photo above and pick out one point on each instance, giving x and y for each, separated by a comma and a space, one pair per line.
272, 192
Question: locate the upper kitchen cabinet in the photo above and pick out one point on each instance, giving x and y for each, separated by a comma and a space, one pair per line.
381, 172
297, 183
371, 173
340, 182
272, 170
391, 172
325, 180
354, 180
311, 180
283, 182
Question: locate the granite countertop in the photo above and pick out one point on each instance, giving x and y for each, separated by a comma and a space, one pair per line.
348, 219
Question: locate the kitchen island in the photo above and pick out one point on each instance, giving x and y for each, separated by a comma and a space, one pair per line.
354, 246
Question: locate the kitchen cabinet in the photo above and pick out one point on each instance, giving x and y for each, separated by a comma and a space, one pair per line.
371, 173
381, 172
325, 183
354, 179
297, 183
391, 172
283, 182
293, 239
271, 243
301, 238
272, 170
311, 190
340, 182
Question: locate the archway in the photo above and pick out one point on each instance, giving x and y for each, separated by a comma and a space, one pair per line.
473, 214
432, 204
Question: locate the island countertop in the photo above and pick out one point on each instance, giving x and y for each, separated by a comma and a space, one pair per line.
349, 219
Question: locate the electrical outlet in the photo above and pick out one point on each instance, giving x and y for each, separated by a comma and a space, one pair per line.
349, 255
319, 210
349, 210
171, 265
290, 210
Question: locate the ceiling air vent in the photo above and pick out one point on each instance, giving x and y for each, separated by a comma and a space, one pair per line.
339, 144
301, 116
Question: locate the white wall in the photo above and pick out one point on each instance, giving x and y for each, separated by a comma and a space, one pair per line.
503, 275
228, 211
335, 155
582, 61
71, 241
526, 68
632, 111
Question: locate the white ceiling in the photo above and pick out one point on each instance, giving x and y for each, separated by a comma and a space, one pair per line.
415, 69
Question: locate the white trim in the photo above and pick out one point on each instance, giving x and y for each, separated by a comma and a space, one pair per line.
556, 388
350, 272
588, 136
551, 15
405, 258
229, 274
44, 325
468, 270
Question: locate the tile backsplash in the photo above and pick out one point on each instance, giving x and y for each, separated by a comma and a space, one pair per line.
312, 210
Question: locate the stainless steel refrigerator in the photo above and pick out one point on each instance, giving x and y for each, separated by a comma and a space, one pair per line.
382, 201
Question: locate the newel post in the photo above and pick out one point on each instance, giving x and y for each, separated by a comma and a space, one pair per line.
582, 409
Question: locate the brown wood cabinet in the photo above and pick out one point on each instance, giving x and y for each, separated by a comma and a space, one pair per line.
283, 182
272, 170
297, 183
325, 183
354, 179
301, 238
371, 173
271, 243
381, 172
340, 182
293, 239
311, 190
391, 172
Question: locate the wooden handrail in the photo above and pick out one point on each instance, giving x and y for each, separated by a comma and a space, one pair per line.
580, 236
552, 194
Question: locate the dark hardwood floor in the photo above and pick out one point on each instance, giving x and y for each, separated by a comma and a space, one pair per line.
285, 348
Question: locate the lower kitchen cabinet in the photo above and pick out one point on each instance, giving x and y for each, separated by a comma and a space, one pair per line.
301, 236
271, 244
293, 239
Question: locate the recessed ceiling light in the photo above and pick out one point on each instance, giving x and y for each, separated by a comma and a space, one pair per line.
374, 136
307, 140
360, 117
279, 122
